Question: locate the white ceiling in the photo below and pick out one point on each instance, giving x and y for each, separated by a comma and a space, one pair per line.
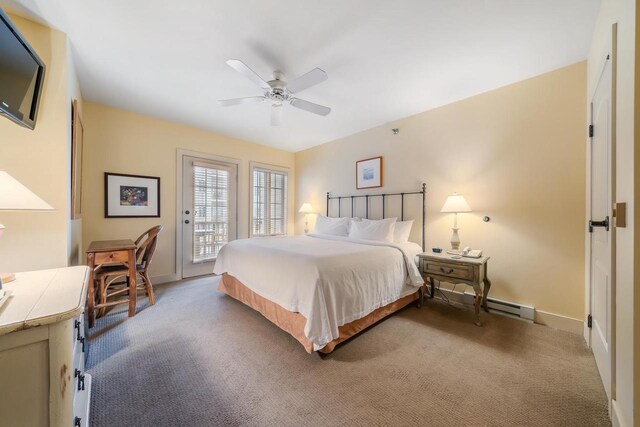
385, 59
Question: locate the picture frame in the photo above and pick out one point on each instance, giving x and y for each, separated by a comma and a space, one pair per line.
131, 196
77, 149
369, 173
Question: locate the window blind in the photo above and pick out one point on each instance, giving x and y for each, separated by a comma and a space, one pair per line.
269, 210
210, 211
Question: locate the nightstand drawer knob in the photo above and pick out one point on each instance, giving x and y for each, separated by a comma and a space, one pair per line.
445, 271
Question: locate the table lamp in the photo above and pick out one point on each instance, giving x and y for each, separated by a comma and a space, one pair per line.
16, 197
455, 204
306, 209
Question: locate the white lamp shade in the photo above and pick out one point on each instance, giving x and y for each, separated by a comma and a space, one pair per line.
306, 208
15, 196
455, 203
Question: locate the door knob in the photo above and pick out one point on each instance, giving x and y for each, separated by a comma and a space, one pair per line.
186, 221
187, 212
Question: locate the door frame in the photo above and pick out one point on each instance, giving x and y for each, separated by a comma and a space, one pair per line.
610, 50
180, 154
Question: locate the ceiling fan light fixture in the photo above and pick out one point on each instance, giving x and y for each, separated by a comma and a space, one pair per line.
279, 91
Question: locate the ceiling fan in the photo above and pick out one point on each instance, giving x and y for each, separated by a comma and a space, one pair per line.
279, 91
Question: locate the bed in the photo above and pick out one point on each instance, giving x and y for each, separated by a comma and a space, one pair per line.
322, 289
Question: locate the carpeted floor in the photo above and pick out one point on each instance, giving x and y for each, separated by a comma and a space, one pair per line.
199, 358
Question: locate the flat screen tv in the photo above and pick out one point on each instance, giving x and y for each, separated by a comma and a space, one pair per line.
21, 76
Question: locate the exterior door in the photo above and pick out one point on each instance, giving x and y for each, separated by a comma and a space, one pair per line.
601, 233
208, 212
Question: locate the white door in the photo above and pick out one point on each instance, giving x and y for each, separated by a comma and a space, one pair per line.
209, 194
601, 234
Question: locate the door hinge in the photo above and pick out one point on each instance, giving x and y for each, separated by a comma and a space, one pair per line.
590, 131
589, 321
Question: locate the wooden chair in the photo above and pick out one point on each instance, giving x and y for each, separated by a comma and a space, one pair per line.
109, 278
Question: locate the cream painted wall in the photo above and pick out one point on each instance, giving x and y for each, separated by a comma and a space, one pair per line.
38, 159
75, 254
517, 155
626, 394
124, 142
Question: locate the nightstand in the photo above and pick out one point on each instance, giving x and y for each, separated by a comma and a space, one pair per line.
470, 271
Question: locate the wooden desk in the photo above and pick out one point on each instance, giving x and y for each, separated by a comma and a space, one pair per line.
110, 252
470, 271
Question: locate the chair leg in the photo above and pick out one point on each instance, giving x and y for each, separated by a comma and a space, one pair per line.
102, 296
149, 288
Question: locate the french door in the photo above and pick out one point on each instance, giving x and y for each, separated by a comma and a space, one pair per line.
209, 196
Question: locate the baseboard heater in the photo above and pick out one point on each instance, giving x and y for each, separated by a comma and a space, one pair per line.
497, 306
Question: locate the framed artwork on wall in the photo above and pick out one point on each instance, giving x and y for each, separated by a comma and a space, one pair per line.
77, 137
369, 173
131, 196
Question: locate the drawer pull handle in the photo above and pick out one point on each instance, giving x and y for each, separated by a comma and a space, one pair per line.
77, 422
80, 382
76, 324
446, 272
82, 342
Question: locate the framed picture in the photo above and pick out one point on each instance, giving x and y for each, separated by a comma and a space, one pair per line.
131, 196
369, 173
77, 137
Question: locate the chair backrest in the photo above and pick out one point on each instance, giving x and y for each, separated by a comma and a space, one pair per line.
146, 246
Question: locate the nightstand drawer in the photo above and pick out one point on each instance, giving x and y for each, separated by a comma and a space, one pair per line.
459, 271
115, 257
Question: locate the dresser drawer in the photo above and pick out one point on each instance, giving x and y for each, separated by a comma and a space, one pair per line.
81, 403
449, 269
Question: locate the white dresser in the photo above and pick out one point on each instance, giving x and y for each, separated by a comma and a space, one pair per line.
42, 350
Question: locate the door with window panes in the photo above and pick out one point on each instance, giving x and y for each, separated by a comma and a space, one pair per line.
208, 212
269, 202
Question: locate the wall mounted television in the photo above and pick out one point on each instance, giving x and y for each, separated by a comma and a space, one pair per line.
21, 76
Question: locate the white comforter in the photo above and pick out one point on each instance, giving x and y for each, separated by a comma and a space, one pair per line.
330, 280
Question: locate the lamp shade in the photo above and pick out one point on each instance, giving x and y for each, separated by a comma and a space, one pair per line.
455, 203
16, 197
306, 208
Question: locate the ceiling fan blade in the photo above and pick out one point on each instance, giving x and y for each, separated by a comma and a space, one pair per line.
238, 101
242, 68
310, 106
276, 114
305, 81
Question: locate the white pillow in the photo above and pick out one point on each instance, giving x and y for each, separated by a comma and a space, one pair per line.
367, 229
402, 231
332, 226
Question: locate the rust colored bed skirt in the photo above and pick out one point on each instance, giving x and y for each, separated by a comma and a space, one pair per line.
293, 323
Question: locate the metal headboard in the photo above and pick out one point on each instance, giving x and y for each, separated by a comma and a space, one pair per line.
367, 197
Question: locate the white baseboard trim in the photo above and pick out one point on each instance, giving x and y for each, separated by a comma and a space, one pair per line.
156, 280
586, 333
553, 320
617, 420
559, 321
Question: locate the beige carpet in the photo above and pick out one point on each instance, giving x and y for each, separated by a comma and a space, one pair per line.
199, 358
